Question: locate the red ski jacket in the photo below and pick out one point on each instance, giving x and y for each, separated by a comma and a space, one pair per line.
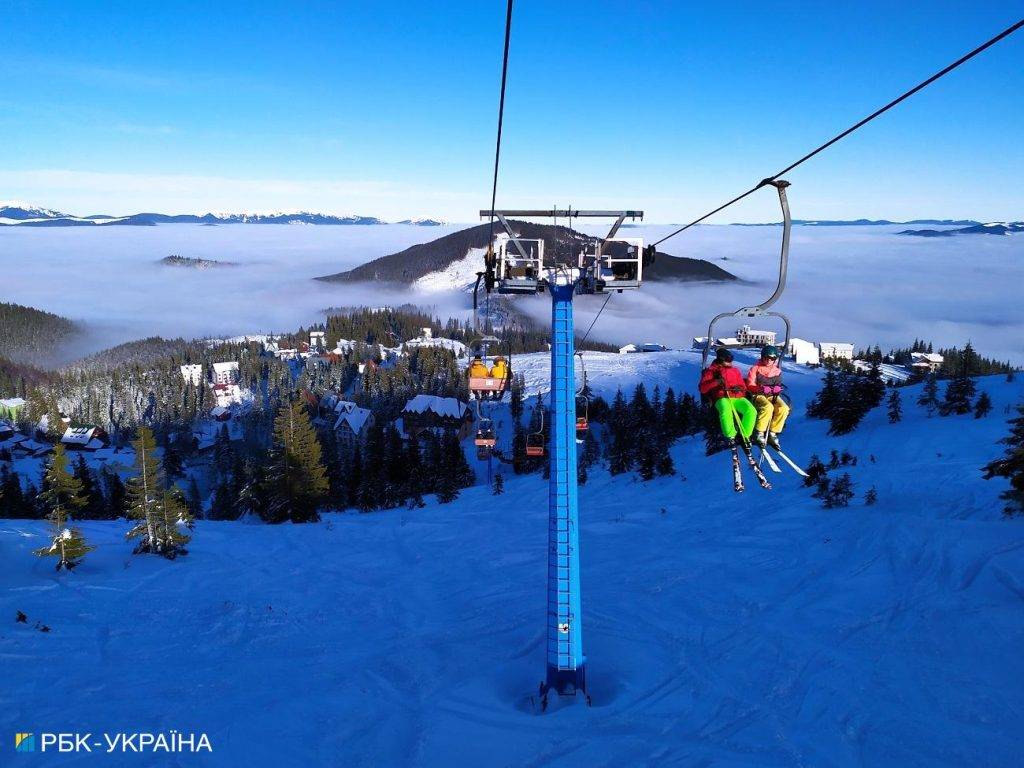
711, 382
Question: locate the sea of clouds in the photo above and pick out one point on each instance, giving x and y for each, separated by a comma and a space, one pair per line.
864, 285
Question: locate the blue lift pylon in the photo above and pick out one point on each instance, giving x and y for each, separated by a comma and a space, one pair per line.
519, 266
566, 663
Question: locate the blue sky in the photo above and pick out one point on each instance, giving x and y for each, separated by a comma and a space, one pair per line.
389, 109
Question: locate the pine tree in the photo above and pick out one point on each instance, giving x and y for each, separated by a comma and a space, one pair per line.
929, 398
175, 520
499, 485
871, 497
895, 407
620, 448
144, 494
983, 407
840, 493
94, 506
828, 397
816, 470
115, 496
12, 498
1011, 465
296, 478
62, 498
158, 507
959, 393
872, 386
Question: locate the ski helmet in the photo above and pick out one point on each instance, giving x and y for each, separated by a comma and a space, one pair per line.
723, 355
769, 351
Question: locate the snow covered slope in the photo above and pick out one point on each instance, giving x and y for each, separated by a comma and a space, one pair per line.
721, 629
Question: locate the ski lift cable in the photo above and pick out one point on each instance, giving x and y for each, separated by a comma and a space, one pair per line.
596, 317
920, 86
501, 118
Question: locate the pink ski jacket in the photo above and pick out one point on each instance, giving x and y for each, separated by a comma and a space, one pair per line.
764, 378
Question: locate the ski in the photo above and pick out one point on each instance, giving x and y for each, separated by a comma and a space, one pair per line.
756, 469
791, 463
765, 456
737, 475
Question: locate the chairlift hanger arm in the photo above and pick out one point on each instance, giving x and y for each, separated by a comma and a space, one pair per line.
568, 213
762, 309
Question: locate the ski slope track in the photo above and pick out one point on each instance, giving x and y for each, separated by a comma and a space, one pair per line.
729, 630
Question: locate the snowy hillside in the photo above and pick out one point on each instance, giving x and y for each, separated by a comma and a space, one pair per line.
721, 629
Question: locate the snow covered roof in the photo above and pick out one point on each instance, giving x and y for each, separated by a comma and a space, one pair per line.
12, 402
429, 340
927, 357
449, 407
353, 416
219, 411
78, 435
225, 367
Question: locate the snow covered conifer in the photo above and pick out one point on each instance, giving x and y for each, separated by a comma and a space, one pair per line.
929, 398
296, 478
961, 389
871, 497
63, 497
816, 470
983, 407
499, 484
895, 407
144, 494
839, 493
1011, 465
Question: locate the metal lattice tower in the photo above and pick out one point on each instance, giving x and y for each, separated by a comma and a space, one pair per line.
566, 664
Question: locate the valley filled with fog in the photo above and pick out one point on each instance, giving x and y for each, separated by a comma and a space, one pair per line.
862, 284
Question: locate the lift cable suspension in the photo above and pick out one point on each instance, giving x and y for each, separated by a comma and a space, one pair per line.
962, 60
488, 284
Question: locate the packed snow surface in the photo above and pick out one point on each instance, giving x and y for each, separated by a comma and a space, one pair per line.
756, 629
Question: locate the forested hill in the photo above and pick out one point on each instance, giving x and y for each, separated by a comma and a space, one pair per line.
30, 335
413, 263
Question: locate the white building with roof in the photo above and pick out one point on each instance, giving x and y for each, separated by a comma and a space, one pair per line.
225, 373
926, 362
426, 412
192, 374
84, 438
317, 341
750, 337
351, 422
428, 339
834, 350
803, 352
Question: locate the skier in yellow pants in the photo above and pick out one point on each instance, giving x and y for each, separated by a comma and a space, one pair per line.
764, 384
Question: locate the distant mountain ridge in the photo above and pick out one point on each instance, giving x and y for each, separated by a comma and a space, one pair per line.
418, 261
22, 215
992, 228
863, 222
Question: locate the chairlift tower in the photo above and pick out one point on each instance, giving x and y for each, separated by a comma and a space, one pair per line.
521, 266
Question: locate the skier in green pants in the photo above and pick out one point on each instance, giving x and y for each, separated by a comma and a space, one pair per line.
724, 384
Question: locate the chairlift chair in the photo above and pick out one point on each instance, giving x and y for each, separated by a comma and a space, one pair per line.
582, 401
535, 440
582, 409
490, 385
519, 264
762, 309
614, 264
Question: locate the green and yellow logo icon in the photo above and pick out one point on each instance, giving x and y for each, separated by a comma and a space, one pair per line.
24, 742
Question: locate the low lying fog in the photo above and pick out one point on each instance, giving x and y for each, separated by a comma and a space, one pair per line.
865, 285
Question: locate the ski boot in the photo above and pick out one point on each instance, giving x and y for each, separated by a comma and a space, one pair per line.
773, 441
759, 438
